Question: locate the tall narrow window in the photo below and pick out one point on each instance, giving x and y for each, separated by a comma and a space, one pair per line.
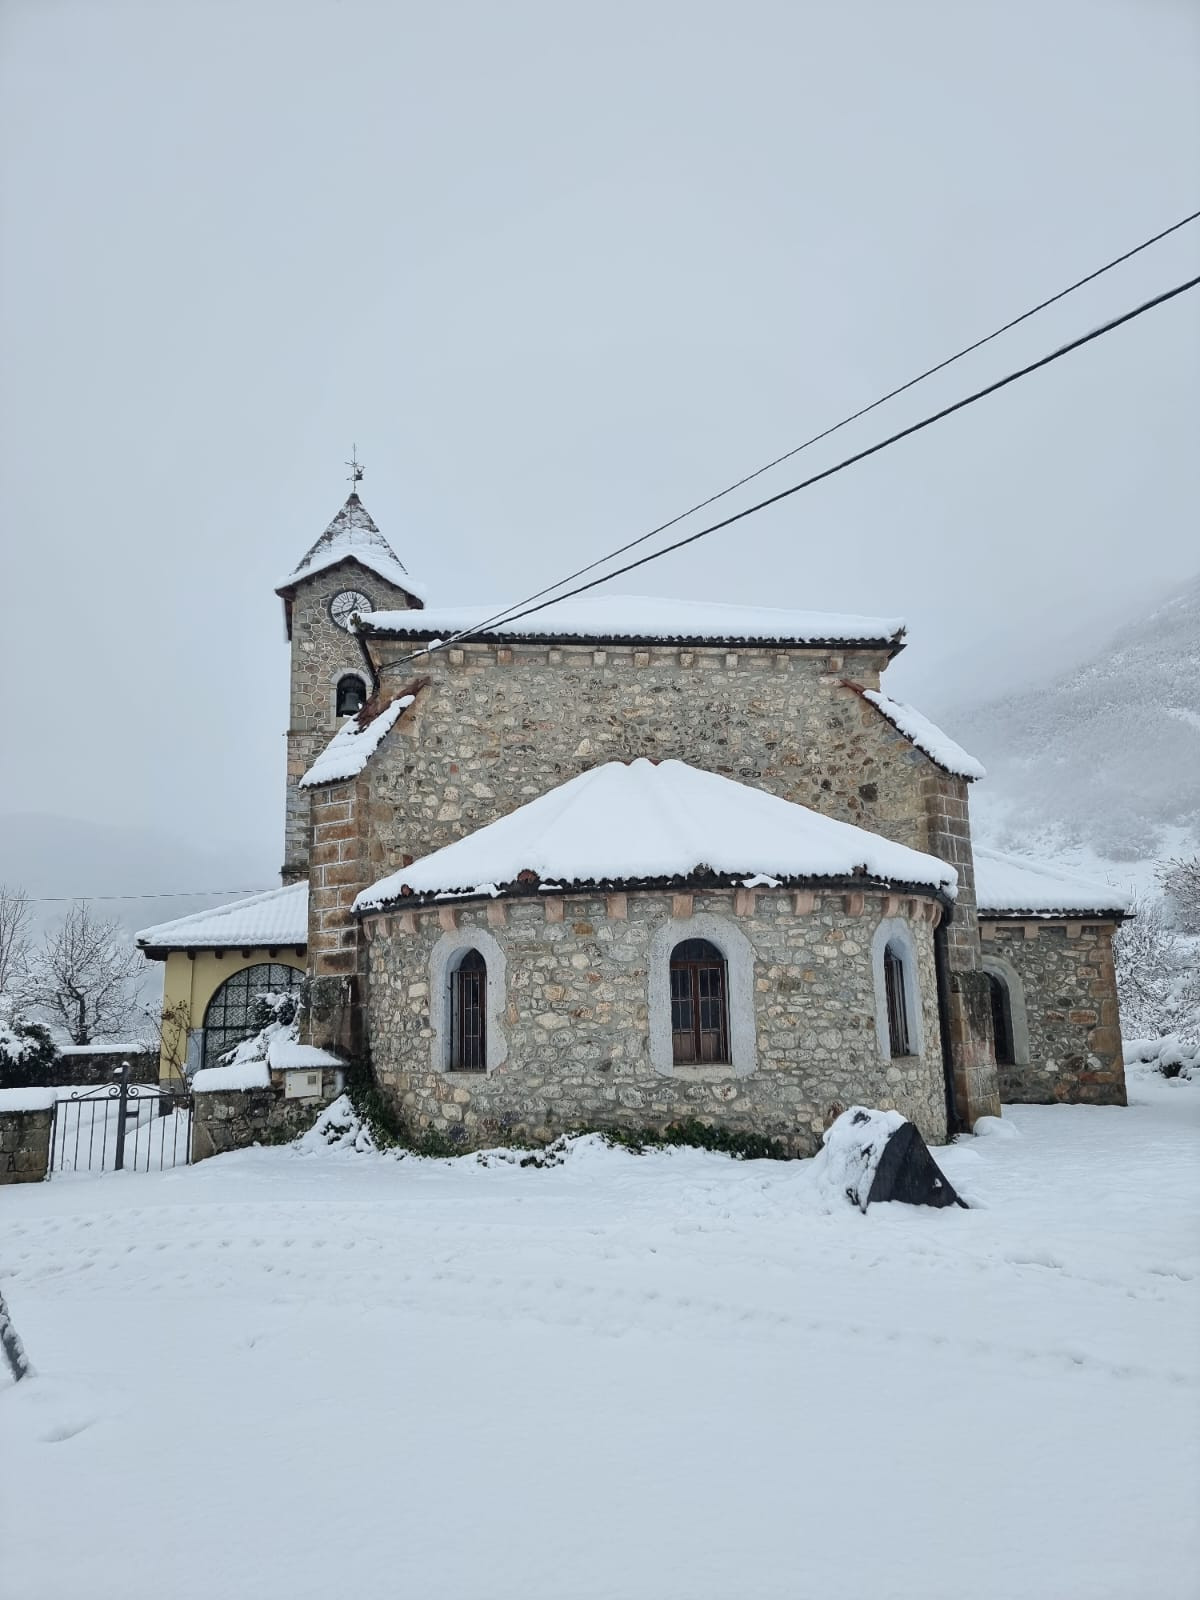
468, 1027
899, 1036
1002, 1027
351, 695
699, 1004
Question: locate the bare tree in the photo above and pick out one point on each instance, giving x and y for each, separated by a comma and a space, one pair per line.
15, 914
1180, 877
1157, 981
84, 976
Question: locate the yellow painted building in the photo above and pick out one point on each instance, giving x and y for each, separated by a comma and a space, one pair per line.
217, 964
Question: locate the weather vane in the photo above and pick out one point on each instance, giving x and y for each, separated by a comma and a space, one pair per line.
356, 468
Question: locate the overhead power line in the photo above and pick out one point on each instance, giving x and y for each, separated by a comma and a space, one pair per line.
828, 472
166, 894
816, 438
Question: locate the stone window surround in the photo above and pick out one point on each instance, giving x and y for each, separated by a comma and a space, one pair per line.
739, 969
896, 932
335, 677
997, 967
442, 961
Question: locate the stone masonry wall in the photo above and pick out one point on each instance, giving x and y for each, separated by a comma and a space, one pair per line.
24, 1145
321, 653
339, 868
976, 1090
575, 1017
499, 725
234, 1119
1067, 1028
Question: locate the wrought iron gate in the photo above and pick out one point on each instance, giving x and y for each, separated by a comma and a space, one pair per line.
121, 1126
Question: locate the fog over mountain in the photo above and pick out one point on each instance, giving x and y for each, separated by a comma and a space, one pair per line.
1103, 758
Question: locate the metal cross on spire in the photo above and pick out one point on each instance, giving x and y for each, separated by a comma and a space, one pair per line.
356, 469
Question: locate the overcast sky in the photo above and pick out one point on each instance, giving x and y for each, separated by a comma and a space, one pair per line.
561, 270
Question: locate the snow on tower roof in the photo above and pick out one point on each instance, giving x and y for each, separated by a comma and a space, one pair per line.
352, 535
271, 920
620, 618
927, 736
1016, 886
656, 822
353, 745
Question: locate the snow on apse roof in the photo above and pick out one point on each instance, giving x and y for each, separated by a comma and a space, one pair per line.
273, 919
627, 823
615, 618
927, 736
353, 535
1018, 886
353, 745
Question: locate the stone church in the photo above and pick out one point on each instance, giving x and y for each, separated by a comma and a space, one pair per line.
626, 861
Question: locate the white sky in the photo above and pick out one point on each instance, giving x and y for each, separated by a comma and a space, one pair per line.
561, 271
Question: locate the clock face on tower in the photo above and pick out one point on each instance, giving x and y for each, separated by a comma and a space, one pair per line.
343, 606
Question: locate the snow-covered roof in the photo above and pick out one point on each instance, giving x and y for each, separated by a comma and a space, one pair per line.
270, 920
927, 736
618, 618
353, 535
1011, 886
655, 821
352, 746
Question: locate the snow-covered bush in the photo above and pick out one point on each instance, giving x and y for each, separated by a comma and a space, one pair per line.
27, 1052
1170, 1056
276, 1017
1158, 976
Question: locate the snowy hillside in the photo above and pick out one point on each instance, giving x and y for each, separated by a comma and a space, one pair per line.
1103, 760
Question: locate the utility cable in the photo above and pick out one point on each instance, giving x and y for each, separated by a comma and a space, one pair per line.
816, 438
874, 449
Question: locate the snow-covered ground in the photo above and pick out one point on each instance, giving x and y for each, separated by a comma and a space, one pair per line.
286, 1375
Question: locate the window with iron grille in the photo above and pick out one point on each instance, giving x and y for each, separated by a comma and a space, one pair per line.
233, 1012
468, 1025
351, 695
894, 978
1002, 1026
699, 1004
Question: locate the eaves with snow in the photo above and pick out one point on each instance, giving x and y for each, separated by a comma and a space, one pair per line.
647, 824
925, 735
353, 745
275, 919
353, 536
1016, 886
644, 619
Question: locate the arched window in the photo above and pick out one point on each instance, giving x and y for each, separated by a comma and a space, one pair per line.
896, 987
699, 1004
233, 1013
468, 1014
1002, 1021
351, 695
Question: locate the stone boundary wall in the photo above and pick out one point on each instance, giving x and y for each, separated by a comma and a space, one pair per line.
234, 1119
576, 1018
1067, 1026
79, 1069
24, 1145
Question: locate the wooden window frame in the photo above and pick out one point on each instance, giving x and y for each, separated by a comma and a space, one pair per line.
699, 982
468, 1012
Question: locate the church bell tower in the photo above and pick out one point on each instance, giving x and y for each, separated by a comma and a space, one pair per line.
350, 570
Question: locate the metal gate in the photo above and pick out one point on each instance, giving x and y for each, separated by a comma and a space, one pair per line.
121, 1126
